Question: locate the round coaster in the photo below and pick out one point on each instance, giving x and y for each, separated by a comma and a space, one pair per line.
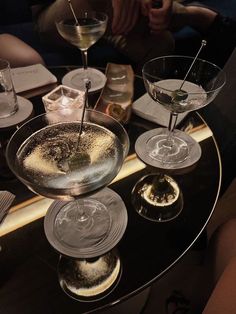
77, 249
76, 79
142, 150
25, 110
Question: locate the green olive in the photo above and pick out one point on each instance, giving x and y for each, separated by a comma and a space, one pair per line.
162, 98
179, 95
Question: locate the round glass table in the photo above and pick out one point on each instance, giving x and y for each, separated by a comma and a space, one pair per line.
29, 280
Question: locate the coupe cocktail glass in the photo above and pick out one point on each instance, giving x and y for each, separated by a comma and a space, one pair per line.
53, 158
50, 158
179, 85
83, 32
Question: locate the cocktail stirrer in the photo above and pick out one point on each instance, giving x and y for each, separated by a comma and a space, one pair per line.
79, 156
203, 44
73, 12
181, 94
87, 87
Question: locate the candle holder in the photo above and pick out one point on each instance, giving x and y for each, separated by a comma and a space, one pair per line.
63, 97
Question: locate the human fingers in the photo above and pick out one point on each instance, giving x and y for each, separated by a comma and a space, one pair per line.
163, 11
159, 19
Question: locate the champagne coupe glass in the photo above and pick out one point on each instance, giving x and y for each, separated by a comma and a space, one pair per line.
179, 85
50, 157
82, 31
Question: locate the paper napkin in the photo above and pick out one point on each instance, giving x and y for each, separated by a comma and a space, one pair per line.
146, 108
30, 77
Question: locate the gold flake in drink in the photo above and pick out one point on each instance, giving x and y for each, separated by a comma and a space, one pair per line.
52, 158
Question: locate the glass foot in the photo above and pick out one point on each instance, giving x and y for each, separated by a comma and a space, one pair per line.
161, 148
154, 148
89, 228
86, 221
157, 197
90, 279
77, 78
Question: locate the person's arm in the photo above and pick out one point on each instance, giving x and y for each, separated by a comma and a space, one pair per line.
223, 297
17, 52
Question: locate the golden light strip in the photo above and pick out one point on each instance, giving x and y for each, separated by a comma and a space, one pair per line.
200, 133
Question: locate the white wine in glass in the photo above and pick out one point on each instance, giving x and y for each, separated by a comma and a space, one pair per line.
83, 32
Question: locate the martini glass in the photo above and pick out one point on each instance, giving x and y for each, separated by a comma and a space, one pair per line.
82, 31
57, 156
180, 84
50, 156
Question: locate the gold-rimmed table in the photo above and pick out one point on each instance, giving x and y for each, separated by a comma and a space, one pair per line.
29, 283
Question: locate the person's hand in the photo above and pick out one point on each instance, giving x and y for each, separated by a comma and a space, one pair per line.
125, 15
146, 6
159, 18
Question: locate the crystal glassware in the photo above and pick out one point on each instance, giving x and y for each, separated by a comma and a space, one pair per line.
83, 32
51, 159
63, 97
179, 85
8, 98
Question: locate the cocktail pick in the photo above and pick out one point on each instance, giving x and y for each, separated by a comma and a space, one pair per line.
203, 44
73, 12
179, 94
87, 88
79, 157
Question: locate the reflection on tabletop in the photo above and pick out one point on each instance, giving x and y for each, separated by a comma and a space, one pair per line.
36, 207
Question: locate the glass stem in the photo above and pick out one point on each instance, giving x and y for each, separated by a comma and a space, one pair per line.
85, 59
81, 215
171, 127
84, 54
